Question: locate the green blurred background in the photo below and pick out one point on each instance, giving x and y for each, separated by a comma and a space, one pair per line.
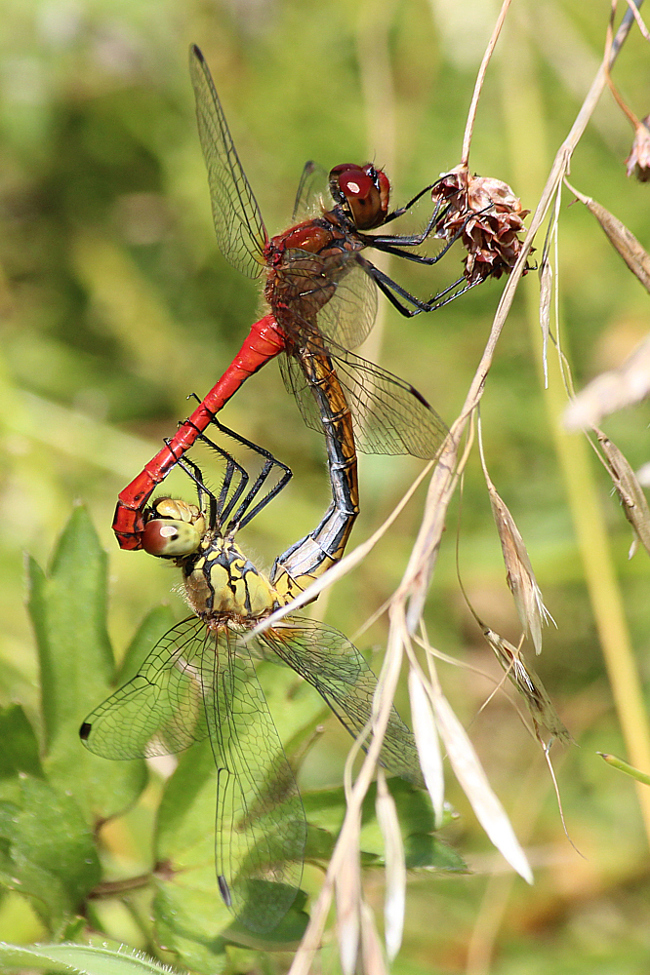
115, 304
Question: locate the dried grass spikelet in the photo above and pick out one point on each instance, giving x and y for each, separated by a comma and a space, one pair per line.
347, 887
630, 492
520, 577
638, 162
487, 216
529, 685
395, 898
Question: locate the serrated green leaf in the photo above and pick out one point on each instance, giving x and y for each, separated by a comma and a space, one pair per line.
72, 959
68, 610
48, 851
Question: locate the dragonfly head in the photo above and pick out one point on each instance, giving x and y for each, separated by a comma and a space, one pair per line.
174, 529
362, 191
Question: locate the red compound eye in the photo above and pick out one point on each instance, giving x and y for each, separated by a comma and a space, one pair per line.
356, 184
159, 536
363, 190
170, 539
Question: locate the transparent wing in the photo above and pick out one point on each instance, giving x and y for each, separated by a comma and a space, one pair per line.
331, 291
260, 827
196, 683
388, 414
348, 318
238, 223
159, 711
330, 663
313, 193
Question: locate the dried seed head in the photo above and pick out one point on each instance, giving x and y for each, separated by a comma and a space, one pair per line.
486, 215
639, 159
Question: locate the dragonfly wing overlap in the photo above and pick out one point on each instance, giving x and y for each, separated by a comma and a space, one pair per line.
260, 828
388, 414
160, 711
237, 219
348, 318
335, 668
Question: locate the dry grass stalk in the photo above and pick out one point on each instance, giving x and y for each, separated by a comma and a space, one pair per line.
638, 162
524, 678
469, 772
520, 577
347, 889
634, 255
373, 958
427, 741
395, 897
630, 492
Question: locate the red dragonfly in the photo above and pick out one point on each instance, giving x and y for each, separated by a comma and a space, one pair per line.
322, 295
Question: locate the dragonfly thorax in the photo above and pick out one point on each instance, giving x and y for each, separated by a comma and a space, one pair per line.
221, 583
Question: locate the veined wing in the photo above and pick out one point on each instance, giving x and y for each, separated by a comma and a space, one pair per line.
312, 194
389, 415
260, 826
238, 223
159, 711
349, 317
330, 663
330, 290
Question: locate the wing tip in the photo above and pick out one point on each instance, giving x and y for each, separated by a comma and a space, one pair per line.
195, 52
84, 731
224, 890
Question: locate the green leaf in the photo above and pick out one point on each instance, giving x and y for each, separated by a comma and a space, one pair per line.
424, 850
153, 627
80, 960
68, 610
47, 850
19, 752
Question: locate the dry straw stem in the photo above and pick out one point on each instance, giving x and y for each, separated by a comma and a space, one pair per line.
623, 240
630, 492
611, 391
395, 898
480, 78
520, 577
467, 767
445, 476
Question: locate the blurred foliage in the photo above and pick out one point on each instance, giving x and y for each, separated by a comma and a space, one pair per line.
115, 304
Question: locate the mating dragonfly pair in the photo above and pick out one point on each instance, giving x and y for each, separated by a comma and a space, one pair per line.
199, 681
